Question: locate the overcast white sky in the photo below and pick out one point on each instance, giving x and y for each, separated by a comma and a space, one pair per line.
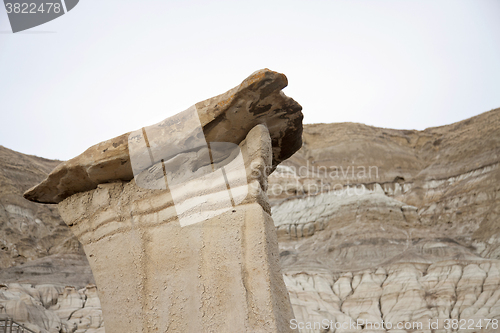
113, 66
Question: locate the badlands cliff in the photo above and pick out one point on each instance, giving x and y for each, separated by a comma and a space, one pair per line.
401, 226
411, 235
35, 244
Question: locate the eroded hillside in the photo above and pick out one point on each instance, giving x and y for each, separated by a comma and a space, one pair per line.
35, 243
373, 224
381, 224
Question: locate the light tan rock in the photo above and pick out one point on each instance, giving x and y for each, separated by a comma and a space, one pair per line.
218, 275
68, 302
91, 297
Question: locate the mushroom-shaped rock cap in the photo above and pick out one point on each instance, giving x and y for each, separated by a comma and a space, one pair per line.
224, 118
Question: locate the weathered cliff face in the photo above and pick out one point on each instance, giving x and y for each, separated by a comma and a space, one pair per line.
37, 247
369, 257
29, 231
421, 244
401, 294
400, 226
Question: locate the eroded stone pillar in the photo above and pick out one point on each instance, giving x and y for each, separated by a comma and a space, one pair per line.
156, 272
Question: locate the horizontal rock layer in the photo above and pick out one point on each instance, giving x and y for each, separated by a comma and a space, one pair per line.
437, 224
29, 231
218, 273
381, 224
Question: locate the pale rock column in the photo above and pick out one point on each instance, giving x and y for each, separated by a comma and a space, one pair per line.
175, 220
219, 275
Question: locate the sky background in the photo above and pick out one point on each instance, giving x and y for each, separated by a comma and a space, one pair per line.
109, 67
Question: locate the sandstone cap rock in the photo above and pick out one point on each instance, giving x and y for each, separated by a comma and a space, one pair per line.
224, 118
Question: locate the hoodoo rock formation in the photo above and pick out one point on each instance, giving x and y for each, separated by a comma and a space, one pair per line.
175, 219
224, 118
372, 224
